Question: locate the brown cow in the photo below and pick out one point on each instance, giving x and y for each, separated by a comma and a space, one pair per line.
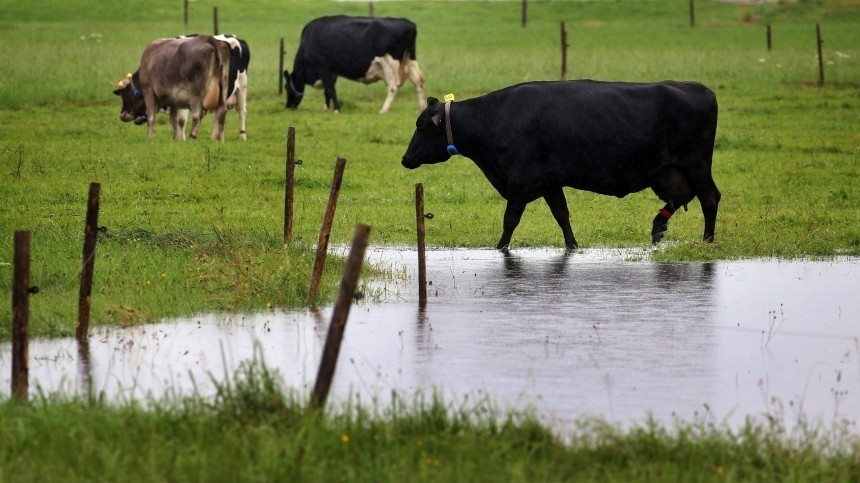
182, 73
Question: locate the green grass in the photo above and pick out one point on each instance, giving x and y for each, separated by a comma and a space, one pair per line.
254, 430
196, 226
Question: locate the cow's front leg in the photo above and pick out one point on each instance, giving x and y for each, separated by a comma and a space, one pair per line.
330, 93
513, 213
558, 206
151, 109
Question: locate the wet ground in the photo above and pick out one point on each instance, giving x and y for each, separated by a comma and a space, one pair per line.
568, 335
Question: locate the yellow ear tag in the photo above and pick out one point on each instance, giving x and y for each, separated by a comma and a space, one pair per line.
449, 97
128, 75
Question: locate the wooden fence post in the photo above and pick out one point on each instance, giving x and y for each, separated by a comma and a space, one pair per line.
370, 9
281, 68
564, 47
337, 326
820, 55
768, 38
91, 229
215, 20
692, 13
524, 19
290, 184
422, 264
185, 13
325, 231
20, 316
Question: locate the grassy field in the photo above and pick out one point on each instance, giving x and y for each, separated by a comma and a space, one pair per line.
196, 227
256, 431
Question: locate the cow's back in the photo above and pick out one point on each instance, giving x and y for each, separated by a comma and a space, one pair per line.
182, 70
348, 45
606, 137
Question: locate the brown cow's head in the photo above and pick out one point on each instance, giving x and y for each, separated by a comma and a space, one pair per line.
133, 107
429, 143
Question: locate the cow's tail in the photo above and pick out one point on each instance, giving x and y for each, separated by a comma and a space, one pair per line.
223, 56
411, 37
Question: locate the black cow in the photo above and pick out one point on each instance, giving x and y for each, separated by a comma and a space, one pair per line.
358, 48
533, 139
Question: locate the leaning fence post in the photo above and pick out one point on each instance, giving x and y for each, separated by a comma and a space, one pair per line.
339, 316
91, 229
820, 55
290, 184
20, 315
422, 264
325, 231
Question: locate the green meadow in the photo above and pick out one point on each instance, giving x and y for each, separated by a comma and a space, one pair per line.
196, 227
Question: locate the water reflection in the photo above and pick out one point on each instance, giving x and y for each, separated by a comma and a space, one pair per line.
568, 334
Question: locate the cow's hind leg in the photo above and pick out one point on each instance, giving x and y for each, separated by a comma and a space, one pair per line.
558, 205
178, 118
709, 197
671, 186
417, 78
220, 120
513, 213
389, 69
242, 104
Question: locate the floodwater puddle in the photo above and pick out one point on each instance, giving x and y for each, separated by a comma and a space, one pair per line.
567, 335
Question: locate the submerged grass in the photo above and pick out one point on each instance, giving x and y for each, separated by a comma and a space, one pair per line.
253, 429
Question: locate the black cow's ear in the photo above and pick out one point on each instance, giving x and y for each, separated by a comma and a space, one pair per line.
118, 91
286, 75
437, 119
432, 101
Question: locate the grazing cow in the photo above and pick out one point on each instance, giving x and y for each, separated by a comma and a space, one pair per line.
533, 139
358, 48
194, 73
240, 57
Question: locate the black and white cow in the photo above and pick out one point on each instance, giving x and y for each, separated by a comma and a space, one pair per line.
358, 48
195, 74
531, 140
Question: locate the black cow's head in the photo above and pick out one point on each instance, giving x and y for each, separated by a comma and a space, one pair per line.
133, 107
429, 143
295, 88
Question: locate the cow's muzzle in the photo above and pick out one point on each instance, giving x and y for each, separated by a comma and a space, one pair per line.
409, 164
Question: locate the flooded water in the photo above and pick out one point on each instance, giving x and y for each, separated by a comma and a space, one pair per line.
567, 335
